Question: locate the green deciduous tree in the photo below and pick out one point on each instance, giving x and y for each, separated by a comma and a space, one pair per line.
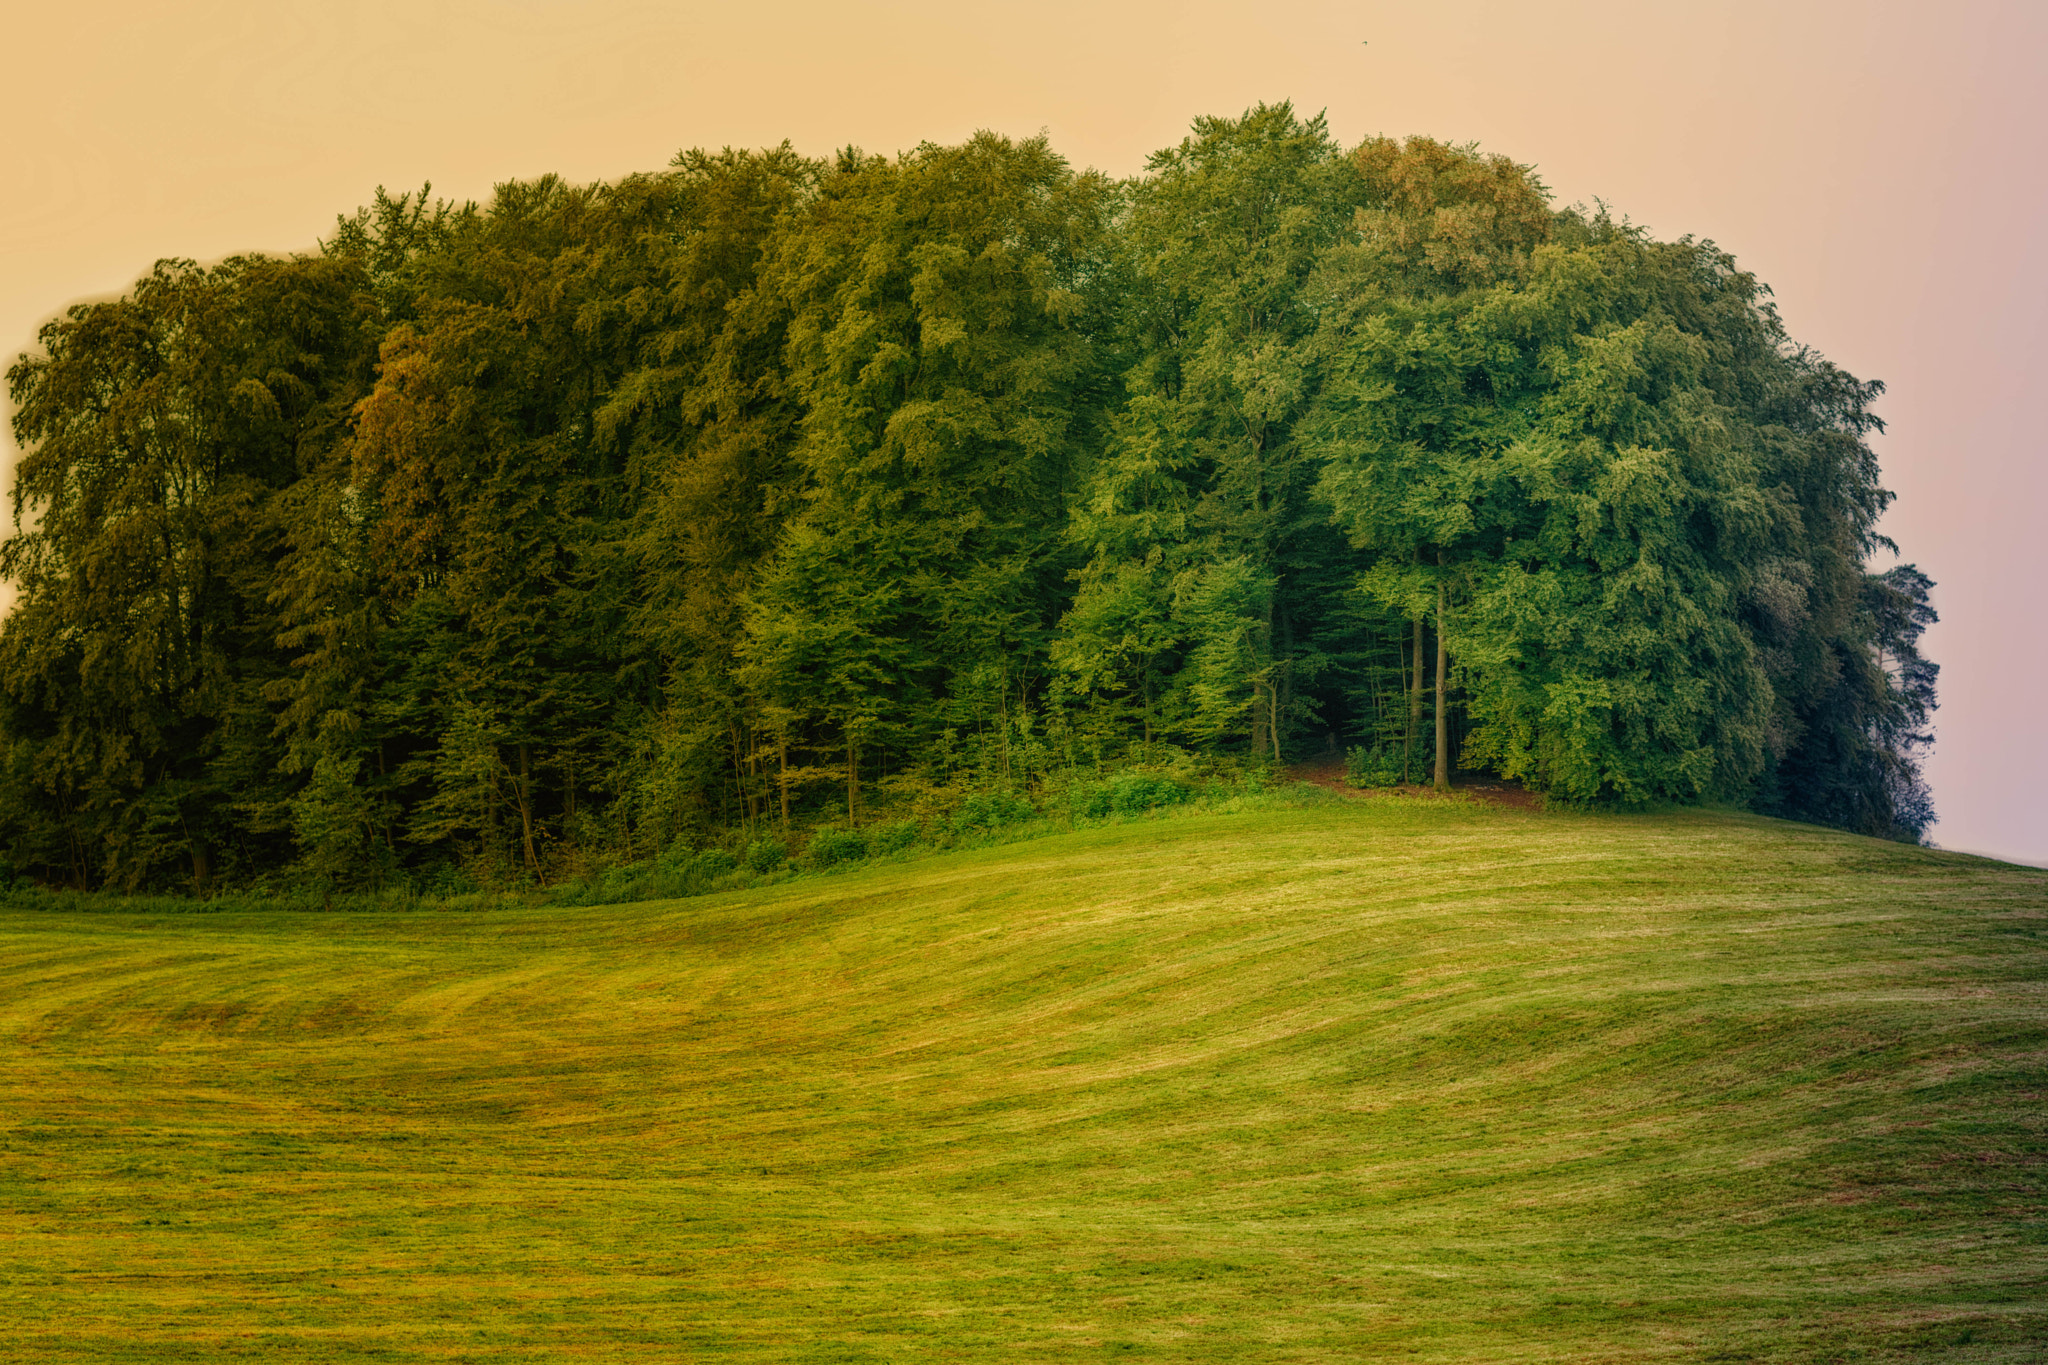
934, 344
592, 523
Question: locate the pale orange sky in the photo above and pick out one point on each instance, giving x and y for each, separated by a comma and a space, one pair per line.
1880, 164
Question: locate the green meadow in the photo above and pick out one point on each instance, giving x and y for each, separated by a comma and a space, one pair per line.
1338, 1080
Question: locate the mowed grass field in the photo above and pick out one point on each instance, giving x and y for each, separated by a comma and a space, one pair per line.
1403, 1079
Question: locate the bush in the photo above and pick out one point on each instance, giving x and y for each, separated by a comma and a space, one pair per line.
765, 855
679, 871
618, 883
892, 838
831, 845
985, 811
1129, 793
444, 880
1376, 766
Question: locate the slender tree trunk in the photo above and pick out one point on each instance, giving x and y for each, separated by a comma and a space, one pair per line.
1279, 684
390, 842
739, 771
526, 811
1443, 710
782, 778
71, 841
754, 793
1003, 715
852, 775
1256, 736
1148, 716
1414, 705
1283, 692
491, 797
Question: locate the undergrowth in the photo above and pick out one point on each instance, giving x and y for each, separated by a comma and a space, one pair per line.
745, 859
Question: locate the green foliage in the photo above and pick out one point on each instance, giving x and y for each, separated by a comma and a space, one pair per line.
680, 871
709, 864
831, 845
895, 836
533, 537
1199, 515
335, 819
1373, 766
1131, 792
764, 855
986, 811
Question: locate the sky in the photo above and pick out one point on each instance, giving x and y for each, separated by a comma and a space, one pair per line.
1880, 165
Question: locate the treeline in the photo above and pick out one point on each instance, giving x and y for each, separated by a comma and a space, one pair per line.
601, 521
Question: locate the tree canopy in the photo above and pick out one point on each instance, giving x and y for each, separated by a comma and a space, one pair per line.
515, 538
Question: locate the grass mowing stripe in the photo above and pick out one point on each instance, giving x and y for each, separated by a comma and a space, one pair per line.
1412, 1079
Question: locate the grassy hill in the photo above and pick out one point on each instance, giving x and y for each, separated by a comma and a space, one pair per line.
1408, 1079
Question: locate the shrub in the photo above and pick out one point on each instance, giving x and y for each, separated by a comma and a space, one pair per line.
893, 837
765, 855
831, 845
1375, 766
984, 811
679, 871
1130, 792
444, 880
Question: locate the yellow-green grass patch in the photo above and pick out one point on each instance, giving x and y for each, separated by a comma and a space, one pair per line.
1394, 1078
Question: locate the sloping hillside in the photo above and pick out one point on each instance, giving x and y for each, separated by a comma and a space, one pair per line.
1390, 1078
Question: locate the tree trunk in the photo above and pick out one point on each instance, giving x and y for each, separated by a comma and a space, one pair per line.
526, 811
1276, 702
852, 775
1443, 710
782, 778
492, 842
1256, 738
1148, 716
71, 842
753, 777
390, 841
1414, 705
735, 744
1003, 715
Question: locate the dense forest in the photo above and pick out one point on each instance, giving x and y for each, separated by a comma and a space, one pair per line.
502, 542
